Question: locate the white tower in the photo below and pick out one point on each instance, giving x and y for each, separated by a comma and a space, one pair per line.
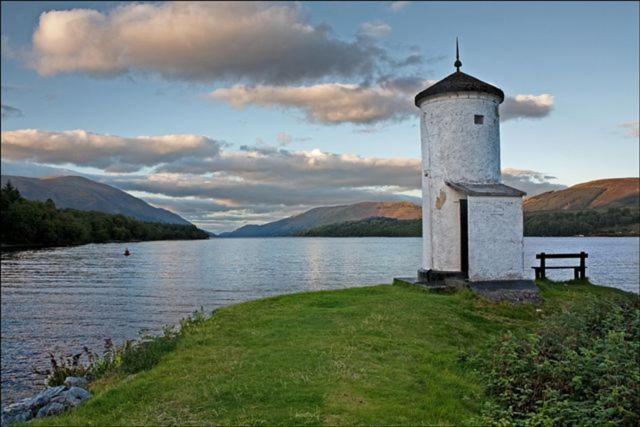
471, 222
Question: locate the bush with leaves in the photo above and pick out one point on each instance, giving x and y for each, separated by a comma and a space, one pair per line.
128, 358
581, 368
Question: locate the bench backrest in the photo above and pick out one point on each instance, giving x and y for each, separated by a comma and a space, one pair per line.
546, 255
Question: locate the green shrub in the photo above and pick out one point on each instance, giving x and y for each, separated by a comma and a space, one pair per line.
129, 358
581, 368
67, 366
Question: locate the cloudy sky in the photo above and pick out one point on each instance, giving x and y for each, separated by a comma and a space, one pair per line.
246, 112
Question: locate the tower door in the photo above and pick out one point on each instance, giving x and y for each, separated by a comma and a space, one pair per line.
464, 238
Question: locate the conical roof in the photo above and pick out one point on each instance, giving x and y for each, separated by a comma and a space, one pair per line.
458, 82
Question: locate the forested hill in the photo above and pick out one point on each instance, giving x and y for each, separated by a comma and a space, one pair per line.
326, 215
606, 207
603, 207
370, 227
83, 194
603, 193
33, 223
593, 222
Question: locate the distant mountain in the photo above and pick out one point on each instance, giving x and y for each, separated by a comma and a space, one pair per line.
607, 207
84, 194
329, 215
604, 193
612, 203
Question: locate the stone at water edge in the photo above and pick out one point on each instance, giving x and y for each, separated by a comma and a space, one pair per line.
53, 408
76, 382
50, 401
72, 397
45, 396
16, 413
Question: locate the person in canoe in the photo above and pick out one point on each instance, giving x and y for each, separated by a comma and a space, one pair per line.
126, 252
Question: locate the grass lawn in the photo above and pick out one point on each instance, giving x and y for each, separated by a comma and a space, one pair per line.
375, 355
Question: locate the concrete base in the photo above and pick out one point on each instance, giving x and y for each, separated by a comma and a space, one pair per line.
435, 281
438, 277
514, 291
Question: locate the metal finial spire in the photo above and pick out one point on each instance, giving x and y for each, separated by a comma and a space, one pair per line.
457, 64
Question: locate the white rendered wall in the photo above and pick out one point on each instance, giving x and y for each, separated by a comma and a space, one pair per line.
456, 149
495, 238
427, 249
445, 223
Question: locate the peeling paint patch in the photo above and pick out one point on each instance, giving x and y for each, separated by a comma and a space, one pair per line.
442, 197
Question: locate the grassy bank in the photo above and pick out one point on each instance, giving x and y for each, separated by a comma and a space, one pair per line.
376, 355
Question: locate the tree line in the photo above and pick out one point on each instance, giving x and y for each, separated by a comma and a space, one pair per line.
28, 222
370, 227
612, 221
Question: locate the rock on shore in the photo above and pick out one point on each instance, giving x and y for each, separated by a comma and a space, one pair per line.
51, 401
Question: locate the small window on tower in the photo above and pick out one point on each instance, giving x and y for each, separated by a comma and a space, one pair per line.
478, 119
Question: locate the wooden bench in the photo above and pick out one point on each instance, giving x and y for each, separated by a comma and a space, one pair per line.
579, 271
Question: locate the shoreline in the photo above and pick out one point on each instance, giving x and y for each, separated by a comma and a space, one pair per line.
228, 337
25, 247
16, 399
21, 247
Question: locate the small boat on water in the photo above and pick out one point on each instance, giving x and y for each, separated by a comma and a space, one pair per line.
126, 252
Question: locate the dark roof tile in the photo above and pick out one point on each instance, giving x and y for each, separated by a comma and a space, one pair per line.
458, 82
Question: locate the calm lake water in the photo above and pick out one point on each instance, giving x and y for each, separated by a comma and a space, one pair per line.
64, 298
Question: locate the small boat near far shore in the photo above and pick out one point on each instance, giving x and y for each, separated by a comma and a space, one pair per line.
126, 252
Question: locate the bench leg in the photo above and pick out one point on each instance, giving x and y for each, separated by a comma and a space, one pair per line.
576, 273
538, 273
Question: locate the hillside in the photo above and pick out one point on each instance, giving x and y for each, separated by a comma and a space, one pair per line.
604, 193
603, 207
32, 223
329, 215
80, 193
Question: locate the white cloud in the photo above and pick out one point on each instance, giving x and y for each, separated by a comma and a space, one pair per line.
261, 187
632, 129
329, 103
108, 152
397, 6
529, 181
375, 29
221, 189
256, 41
304, 169
335, 103
526, 107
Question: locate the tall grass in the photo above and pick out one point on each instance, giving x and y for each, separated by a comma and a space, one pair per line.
130, 357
